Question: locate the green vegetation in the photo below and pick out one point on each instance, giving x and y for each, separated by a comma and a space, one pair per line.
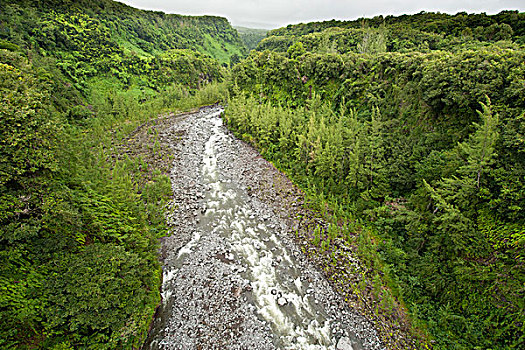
421, 139
408, 130
422, 32
97, 29
251, 37
80, 218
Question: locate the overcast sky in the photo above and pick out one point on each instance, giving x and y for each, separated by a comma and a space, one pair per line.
278, 13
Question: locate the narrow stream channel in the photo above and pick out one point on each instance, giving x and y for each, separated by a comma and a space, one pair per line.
268, 283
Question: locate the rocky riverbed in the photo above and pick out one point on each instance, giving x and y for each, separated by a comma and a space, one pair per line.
233, 275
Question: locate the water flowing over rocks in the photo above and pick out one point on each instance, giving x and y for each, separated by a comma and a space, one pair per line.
233, 277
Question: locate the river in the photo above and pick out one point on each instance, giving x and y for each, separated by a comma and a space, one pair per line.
232, 276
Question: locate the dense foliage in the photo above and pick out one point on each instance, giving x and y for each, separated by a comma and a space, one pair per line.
412, 123
421, 32
66, 25
251, 37
53, 216
80, 220
130, 47
426, 145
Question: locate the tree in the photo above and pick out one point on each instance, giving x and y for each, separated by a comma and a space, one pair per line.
296, 50
373, 157
374, 41
479, 150
353, 149
455, 200
234, 59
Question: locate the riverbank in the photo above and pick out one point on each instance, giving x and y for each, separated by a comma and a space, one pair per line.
213, 275
209, 286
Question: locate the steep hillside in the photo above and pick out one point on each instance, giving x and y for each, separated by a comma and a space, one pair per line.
102, 43
406, 133
424, 145
44, 24
251, 37
81, 210
421, 32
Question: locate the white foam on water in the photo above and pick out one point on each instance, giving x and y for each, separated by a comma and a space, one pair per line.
298, 284
167, 275
214, 204
187, 248
245, 235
